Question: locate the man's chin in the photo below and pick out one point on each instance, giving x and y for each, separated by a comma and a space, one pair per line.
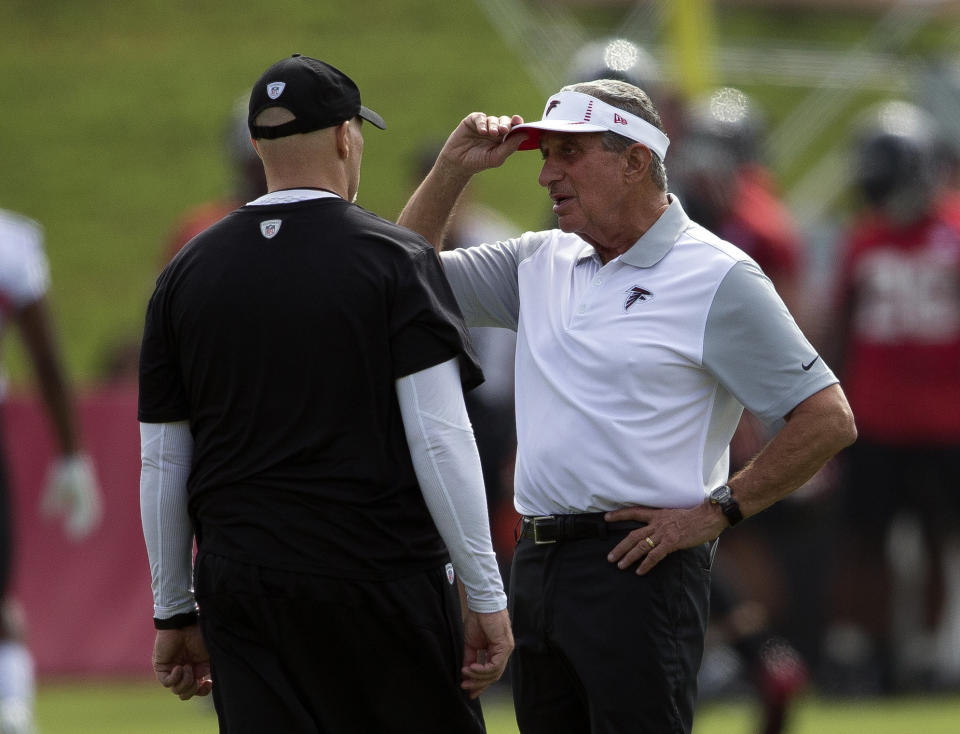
566, 224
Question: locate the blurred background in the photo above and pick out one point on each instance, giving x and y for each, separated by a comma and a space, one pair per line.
119, 136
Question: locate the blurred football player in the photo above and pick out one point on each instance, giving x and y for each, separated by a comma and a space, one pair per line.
898, 344
71, 492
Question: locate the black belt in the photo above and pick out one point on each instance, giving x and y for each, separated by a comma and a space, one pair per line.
552, 528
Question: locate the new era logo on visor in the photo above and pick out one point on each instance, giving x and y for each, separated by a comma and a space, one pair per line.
275, 89
270, 227
620, 120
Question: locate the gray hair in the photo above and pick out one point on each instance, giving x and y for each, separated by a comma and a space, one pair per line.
634, 100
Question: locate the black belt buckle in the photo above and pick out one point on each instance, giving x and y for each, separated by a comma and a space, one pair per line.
547, 521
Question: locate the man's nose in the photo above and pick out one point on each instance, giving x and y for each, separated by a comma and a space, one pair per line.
548, 173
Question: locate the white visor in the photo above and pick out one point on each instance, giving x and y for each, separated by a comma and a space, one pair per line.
575, 112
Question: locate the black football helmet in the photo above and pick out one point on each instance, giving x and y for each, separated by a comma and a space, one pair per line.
722, 131
615, 58
896, 161
729, 119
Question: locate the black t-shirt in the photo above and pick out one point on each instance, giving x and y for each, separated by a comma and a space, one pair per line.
282, 352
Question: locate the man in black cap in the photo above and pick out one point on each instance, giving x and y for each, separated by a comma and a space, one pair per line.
302, 417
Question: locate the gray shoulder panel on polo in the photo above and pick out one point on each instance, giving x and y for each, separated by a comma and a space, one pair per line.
484, 279
753, 346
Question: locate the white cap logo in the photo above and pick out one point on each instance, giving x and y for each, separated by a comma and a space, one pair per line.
275, 89
270, 227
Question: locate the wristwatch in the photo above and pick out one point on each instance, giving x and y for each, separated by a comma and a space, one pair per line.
723, 496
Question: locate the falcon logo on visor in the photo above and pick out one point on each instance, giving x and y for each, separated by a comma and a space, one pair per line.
550, 107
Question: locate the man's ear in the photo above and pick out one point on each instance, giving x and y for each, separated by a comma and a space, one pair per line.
637, 159
343, 138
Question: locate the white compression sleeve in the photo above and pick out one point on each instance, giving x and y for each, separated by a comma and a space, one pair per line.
166, 450
445, 459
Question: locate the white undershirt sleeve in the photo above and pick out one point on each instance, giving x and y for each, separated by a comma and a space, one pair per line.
447, 465
166, 450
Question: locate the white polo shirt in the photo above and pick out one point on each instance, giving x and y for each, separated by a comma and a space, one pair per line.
631, 376
24, 270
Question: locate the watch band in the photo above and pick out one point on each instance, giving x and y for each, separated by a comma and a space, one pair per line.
723, 496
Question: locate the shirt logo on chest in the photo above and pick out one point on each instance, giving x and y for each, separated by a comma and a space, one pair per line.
634, 294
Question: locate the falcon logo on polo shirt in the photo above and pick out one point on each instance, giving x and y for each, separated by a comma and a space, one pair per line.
634, 294
270, 227
275, 89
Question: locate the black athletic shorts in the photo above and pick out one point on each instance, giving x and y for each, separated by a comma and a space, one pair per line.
883, 481
602, 650
304, 654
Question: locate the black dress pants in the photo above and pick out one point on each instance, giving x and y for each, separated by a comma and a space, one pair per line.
604, 651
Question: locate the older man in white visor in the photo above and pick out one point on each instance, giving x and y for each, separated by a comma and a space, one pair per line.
641, 338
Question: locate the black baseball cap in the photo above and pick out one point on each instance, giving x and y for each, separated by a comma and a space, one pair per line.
319, 95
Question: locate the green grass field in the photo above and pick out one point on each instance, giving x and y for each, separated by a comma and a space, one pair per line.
142, 707
113, 115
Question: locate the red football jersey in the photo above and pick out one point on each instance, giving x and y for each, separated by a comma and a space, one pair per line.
900, 291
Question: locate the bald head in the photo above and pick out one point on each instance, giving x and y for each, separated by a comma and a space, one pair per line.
292, 150
324, 158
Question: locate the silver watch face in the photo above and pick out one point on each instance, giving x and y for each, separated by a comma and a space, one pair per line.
720, 495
